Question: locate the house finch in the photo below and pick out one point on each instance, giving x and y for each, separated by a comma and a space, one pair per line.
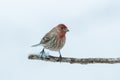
54, 40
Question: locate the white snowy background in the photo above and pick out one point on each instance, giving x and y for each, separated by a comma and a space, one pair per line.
94, 32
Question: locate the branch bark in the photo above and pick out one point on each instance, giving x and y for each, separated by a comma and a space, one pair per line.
75, 60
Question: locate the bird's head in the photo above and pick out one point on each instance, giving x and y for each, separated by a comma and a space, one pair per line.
62, 28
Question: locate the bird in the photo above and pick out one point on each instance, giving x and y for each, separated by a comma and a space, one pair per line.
54, 40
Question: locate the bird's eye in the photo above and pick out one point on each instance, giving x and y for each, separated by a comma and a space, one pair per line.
62, 28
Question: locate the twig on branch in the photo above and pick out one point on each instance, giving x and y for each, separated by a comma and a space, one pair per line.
75, 60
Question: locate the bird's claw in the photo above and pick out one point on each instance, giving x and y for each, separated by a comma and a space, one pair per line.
60, 58
41, 54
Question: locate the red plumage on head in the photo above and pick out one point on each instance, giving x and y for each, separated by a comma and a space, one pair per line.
62, 26
62, 30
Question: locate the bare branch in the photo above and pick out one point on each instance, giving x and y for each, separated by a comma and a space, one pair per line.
75, 60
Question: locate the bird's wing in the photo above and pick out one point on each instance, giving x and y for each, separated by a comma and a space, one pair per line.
46, 38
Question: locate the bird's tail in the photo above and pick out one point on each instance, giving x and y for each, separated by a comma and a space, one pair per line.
36, 45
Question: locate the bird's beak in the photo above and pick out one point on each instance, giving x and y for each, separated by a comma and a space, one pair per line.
66, 30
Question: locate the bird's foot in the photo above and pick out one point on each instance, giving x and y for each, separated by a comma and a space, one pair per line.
60, 58
42, 53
